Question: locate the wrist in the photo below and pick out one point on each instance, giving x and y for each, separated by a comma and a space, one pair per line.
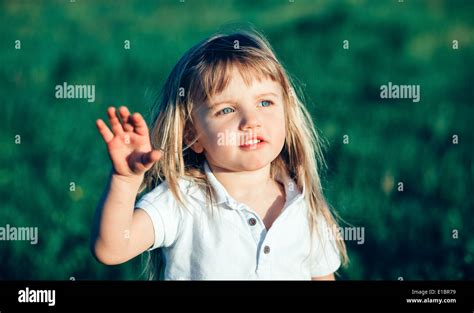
132, 181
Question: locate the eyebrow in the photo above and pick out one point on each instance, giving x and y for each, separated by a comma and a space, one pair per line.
255, 97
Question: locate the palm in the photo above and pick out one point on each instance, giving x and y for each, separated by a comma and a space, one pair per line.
126, 152
129, 145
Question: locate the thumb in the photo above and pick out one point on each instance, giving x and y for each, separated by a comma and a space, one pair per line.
149, 158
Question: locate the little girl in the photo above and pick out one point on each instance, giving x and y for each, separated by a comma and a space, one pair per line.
231, 166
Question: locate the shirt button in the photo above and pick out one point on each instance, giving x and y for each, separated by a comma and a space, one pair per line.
266, 250
252, 221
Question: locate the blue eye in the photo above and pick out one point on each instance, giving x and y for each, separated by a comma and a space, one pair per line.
266, 103
226, 111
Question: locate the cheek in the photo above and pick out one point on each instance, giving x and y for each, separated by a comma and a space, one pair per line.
212, 133
206, 129
276, 124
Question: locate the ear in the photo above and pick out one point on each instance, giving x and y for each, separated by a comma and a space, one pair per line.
190, 137
197, 147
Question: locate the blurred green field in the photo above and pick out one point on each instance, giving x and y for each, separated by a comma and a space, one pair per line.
408, 235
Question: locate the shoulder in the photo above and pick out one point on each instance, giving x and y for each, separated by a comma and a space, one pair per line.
188, 190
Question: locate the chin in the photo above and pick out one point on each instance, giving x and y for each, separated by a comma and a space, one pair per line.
253, 164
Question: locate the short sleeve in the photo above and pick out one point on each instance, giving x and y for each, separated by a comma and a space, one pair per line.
325, 258
164, 213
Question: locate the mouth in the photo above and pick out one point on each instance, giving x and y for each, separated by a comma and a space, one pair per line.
254, 142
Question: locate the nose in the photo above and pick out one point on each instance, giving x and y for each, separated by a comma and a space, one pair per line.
250, 120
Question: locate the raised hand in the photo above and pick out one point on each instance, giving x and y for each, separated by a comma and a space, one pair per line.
128, 143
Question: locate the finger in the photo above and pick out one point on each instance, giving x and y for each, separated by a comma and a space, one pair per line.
147, 160
140, 124
151, 157
125, 115
114, 121
104, 131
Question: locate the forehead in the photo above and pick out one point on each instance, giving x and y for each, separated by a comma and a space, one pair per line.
251, 85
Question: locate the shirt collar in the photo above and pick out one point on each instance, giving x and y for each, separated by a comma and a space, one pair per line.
221, 193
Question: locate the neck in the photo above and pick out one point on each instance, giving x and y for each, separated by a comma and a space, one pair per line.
243, 184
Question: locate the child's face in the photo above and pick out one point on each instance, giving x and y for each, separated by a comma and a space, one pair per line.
227, 124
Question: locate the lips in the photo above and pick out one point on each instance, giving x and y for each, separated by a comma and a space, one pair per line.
252, 141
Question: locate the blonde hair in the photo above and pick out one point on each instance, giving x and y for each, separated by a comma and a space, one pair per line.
205, 70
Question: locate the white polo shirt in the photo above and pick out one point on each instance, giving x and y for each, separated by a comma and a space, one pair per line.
234, 243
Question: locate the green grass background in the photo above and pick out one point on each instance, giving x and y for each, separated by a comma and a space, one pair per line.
407, 234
